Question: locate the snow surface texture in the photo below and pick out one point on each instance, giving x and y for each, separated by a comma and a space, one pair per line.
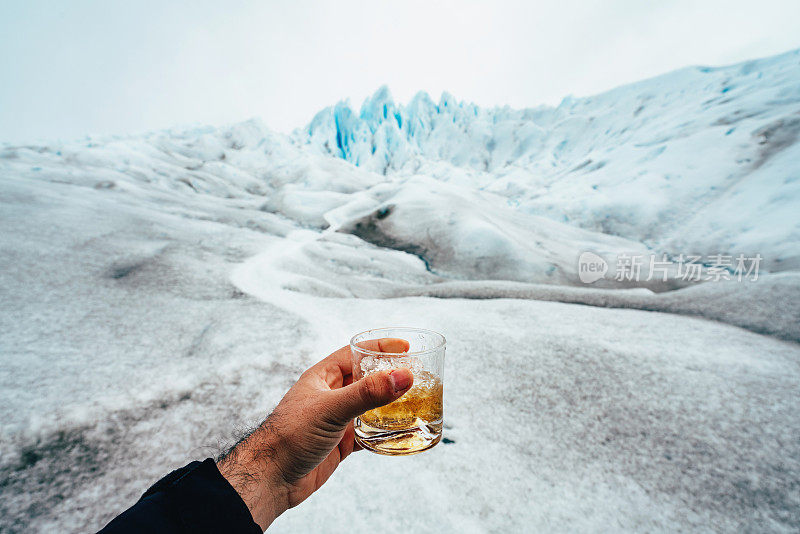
162, 291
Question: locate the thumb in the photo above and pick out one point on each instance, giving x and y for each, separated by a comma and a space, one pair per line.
370, 392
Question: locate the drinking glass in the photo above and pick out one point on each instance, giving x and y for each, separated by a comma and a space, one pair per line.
412, 423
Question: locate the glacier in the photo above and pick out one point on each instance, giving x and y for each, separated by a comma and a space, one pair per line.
161, 291
701, 160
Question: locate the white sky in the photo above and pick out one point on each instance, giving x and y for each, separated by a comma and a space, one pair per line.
70, 68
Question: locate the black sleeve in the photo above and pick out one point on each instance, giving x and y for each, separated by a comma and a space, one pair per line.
195, 498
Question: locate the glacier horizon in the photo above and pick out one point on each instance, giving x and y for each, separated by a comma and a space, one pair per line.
380, 110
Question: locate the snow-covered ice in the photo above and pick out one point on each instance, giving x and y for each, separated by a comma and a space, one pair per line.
160, 292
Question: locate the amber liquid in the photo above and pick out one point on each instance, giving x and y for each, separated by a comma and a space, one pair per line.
411, 424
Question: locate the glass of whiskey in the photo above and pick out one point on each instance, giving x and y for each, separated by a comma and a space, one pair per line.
412, 423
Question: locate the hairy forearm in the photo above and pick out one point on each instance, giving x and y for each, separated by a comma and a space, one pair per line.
298, 447
251, 469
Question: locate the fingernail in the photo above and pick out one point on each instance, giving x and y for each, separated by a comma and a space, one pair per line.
401, 379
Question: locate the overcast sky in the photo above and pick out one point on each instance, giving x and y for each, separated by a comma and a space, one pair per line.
70, 68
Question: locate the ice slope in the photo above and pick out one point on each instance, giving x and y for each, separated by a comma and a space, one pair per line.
701, 159
140, 328
468, 234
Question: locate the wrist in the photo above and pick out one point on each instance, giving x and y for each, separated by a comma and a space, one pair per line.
251, 469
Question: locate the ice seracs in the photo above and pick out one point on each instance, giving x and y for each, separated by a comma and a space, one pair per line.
701, 160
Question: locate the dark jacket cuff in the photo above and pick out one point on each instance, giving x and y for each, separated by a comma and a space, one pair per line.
193, 499
206, 502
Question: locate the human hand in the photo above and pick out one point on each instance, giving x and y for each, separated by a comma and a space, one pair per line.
298, 447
